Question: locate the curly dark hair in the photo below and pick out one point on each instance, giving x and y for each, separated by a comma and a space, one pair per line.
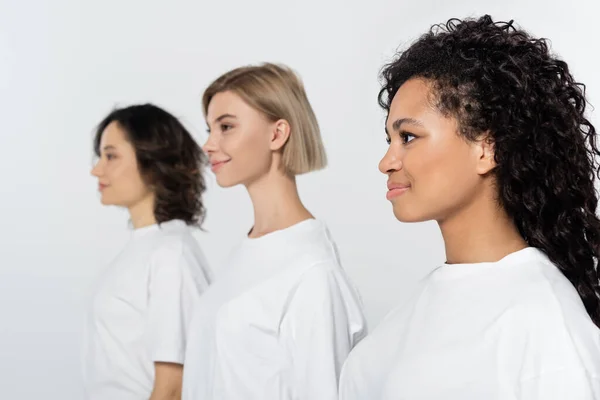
498, 80
168, 157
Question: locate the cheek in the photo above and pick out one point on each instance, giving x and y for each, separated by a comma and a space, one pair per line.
444, 177
249, 154
127, 182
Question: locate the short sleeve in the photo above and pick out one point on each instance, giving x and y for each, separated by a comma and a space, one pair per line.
167, 305
349, 388
321, 325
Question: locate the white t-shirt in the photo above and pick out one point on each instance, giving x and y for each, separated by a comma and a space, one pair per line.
140, 311
277, 324
514, 329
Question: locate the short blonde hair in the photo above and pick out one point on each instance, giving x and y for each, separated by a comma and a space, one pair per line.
278, 93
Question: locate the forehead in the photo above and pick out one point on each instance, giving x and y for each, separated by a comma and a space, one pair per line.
113, 135
412, 100
413, 97
226, 103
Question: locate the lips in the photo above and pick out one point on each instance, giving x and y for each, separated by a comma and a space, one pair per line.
396, 190
216, 165
394, 186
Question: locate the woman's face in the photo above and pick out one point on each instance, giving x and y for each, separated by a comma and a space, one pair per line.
119, 180
241, 140
433, 172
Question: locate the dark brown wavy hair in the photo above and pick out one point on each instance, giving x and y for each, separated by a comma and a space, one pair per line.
169, 159
494, 77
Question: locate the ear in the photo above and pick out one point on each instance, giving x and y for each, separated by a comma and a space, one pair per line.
486, 151
281, 134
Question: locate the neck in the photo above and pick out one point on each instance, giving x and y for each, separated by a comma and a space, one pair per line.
481, 232
142, 213
276, 203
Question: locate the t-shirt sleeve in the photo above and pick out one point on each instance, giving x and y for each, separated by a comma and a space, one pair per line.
168, 308
560, 385
349, 388
320, 328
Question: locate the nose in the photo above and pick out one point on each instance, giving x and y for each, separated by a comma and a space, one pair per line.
391, 161
97, 170
210, 146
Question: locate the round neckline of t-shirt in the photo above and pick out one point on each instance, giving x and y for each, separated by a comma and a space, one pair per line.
459, 270
139, 232
304, 225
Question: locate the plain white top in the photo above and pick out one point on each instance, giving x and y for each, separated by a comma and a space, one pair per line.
277, 324
141, 310
514, 329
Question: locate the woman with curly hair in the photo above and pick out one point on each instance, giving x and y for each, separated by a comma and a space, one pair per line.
487, 137
136, 331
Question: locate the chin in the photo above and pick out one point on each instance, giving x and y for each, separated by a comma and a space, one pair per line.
405, 215
108, 201
226, 183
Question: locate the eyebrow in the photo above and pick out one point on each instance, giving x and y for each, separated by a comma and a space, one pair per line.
222, 117
401, 121
109, 147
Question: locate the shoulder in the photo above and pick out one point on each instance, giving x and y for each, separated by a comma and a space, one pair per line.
312, 241
324, 285
174, 237
546, 295
548, 319
310, 281
321, 276
176, 245
534, 288
324, 289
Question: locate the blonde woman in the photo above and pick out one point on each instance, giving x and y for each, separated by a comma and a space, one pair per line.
281, 317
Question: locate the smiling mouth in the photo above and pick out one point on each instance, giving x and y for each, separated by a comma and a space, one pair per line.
215, 166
